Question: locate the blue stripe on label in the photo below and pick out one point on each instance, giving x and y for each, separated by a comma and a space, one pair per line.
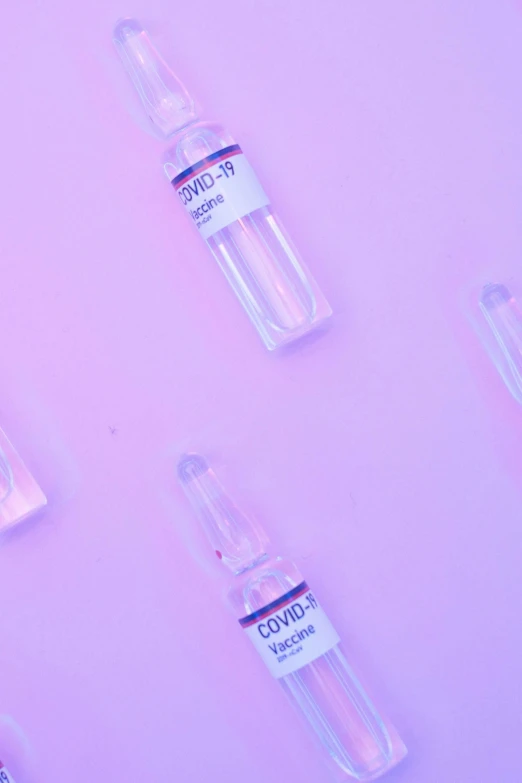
269, 608
212, 158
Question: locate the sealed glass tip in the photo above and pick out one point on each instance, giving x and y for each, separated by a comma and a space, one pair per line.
234, 537
165, 99
504, 317
191, 467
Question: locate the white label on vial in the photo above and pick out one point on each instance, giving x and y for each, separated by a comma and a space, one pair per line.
5, 776
290, 632
219, 190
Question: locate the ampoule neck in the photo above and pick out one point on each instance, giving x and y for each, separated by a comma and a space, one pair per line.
239, 570
182, 129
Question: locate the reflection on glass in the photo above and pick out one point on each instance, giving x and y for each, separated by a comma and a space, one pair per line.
20, 495
504, 317
6, 477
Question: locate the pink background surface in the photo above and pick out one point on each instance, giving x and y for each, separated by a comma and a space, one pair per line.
387, 454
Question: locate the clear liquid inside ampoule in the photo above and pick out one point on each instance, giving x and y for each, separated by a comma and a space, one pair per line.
255, 253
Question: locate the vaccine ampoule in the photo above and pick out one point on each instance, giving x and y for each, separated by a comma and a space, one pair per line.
216, 185
287, 625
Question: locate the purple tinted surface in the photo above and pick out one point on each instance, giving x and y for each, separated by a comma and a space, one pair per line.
388, 453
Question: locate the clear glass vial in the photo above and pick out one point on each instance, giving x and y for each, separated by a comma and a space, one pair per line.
290, 630
220, 191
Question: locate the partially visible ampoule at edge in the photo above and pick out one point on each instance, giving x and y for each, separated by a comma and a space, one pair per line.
503, 315
282, 617
20, 495
5, 775
225, 200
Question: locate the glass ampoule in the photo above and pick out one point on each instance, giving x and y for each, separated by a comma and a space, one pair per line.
282, 617
228, 206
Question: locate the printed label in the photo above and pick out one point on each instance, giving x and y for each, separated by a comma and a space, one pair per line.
219, 190
290, 632
5, 776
